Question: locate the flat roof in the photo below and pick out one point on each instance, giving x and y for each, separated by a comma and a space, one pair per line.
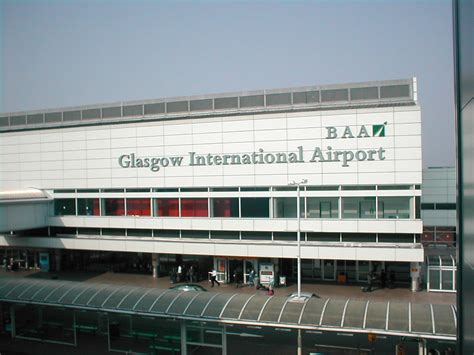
323, 97
433, 321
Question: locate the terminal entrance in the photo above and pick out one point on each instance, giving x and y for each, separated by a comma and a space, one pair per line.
235, 270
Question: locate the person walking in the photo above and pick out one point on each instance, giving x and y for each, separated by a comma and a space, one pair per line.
179, 273
214, 278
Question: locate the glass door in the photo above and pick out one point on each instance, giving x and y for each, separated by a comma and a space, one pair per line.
329, 269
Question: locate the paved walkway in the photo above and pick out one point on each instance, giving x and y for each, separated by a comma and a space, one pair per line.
321, 289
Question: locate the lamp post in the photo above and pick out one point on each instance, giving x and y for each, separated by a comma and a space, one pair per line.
298, 215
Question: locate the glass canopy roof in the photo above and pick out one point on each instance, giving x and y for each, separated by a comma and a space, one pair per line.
401, 318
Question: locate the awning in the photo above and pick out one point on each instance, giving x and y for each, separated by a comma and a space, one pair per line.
433, 321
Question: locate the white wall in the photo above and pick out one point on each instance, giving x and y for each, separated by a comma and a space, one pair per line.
87, 157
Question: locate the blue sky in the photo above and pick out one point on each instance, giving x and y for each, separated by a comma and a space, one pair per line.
67, 53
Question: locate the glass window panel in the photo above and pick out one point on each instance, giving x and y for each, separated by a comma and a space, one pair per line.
35, 119
354, 316
313, 310
444, 320
177, 106
110, 112
435, 279
201, 105
284, 207
225, 235
286, 236
278, 99
91, 114
139, 232
138, 207
113, 231
427, 206
194, 207
166, 233
255, 207
225, 207
256, 235
334, 95
89, 231
364, 93
322, 207
446, 206
151, 109
113, 207
88, 207
166, 207
447, 279
421, 318
252, 309
133, 110
273, 309
226, 102
292, 312
53, 117
358, 207
333, 313
203, 234
394, 207
4, 121
323, 237
398, 316
391, 91
64, 207
251, 101
17, 120
71, 116
376, 315
214, 308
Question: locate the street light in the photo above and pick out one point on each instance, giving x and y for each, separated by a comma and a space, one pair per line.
298, 214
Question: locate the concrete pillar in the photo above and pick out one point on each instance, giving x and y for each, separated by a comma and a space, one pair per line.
415, 276
57, 259
155, 263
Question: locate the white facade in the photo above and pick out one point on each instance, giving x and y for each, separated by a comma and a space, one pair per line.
354, 149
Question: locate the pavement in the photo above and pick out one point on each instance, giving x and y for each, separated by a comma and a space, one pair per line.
322, 289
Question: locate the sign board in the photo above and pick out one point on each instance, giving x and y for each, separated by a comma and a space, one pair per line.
44, 261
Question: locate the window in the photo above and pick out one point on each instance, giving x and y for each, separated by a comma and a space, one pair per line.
194, 207
427, 206
64, 207
166, 207
113, 207
138, 207
88, 207
394, 207
358, 207
322, 207
446, 206
225, 207
285, 207
255, 207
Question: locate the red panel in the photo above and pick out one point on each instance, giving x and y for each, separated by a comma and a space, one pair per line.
168, 207
222, 207
114, 207
194, 207
95, 207
138, 207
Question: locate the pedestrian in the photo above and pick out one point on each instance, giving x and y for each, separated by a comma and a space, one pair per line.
214, 278
252, 278
179, 273
370, 279
191, 273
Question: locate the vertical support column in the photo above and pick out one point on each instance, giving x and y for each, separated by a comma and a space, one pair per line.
422, 347
300, 345
224, 340
57, 259
415, 276
12, 320
184, 349
155, 262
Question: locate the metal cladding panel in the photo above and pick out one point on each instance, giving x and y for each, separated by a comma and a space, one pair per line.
234, 307
332, 316
182, 301
312, 311
272, 310
253, 308
61, 291
398, 318
199, 303
17, 289
114, 300
75, 293
35, 288
376, 315
165, 301
292, 312
98, 299
444, 319
131, 299
215, 306
86, 296
148, 300
421, 321
355, 312
6, 286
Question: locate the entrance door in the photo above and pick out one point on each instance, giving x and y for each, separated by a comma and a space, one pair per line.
329, 269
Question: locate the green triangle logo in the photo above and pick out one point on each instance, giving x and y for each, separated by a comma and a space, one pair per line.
378, 130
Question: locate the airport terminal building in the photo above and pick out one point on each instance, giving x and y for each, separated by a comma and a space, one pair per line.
214, 181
